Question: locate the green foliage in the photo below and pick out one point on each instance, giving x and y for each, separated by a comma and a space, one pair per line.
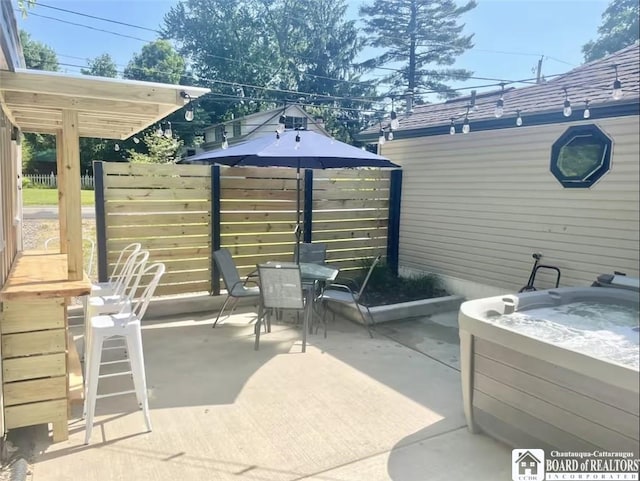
619, 29
37, 55
280, 44
157, 62
159, 150
385, 287
101, 66
417, 35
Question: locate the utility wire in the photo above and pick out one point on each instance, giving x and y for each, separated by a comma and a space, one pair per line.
366, 83
40, 4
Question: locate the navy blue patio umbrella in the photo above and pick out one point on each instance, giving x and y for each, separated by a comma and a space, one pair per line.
294, 149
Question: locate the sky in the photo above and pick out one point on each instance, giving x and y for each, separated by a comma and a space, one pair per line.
510, 35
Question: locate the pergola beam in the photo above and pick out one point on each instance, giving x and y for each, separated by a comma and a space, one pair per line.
21, 100
88, 87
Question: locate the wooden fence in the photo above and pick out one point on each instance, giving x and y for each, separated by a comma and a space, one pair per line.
181, 213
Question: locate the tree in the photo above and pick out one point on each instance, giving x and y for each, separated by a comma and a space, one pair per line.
157, 62
619, 29
37, 55
160, 149
417, 35
101, 66
274, 45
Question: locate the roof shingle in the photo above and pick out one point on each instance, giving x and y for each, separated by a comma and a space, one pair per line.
592, 81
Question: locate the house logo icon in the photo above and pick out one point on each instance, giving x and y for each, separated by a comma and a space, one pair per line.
527, 465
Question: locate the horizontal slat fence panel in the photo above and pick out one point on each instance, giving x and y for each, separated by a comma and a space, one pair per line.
170, 210
166, 208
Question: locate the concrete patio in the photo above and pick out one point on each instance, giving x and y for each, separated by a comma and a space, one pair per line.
350, 409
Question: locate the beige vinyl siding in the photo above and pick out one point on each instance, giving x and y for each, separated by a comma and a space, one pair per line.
476, 206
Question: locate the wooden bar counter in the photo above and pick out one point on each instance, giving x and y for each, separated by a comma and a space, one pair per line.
35, 341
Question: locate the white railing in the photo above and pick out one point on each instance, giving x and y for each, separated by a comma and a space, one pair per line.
44, 180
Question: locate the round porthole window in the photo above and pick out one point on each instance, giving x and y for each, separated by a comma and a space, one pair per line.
581, 156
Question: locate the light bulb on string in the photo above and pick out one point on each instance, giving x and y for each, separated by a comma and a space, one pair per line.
297, 147
395, 123
159, 131
499, 111
587, 113
616, 93
277, 138
188, 113
452, 128
566, 111
136, 140
466, 128
116, 147
168, 133
390, 136
381, 137
518, 119
281, 121
225, 142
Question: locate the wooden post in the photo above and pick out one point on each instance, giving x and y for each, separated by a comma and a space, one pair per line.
62, 211
70, 190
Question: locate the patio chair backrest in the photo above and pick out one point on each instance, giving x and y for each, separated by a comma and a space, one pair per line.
124, 255
368, 276
88, 247
127, 283
281, 286
227, 267
142, 302
311, 253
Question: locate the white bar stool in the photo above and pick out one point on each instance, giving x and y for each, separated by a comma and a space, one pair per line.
121, 297
126, 325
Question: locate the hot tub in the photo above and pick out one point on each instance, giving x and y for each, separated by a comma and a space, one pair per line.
555, 369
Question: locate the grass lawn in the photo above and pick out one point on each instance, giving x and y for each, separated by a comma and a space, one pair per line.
50, 197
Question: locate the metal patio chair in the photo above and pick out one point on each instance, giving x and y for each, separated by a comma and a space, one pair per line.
340, 293
280, 289
236, 286
315, 253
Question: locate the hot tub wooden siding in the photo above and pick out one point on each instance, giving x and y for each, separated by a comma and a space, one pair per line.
529, 402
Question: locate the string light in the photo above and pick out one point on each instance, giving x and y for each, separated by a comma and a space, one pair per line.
381, 137
452, 128
188, 112
395, 123
116, 147
466, 128
499, 111
587, 112
136, 140
518, 119
225, 142
617, 86
297, 141
168, 133
390, 136
566, 111
159, 131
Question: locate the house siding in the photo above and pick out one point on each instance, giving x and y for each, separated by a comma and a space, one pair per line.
476, 206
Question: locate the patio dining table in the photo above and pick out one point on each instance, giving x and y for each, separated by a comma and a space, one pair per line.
313, 275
